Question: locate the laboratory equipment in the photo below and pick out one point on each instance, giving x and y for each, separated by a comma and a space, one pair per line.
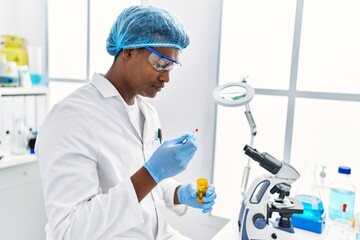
32, 141
35, 64
357, 226
340, 229
194, 133
269, 194
313, 218
342, 195
236, 94
19, 137
24, 76
9, 76
187, 194
202, 186
14, 49
2, 57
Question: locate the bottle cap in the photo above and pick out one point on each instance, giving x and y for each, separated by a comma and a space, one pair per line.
344, 170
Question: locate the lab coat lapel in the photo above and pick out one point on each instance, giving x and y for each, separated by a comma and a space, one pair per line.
148, 132
149, 136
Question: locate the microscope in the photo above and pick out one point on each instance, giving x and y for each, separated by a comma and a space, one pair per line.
269, 194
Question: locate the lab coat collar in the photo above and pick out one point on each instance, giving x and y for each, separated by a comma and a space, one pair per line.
107, 90
104, 86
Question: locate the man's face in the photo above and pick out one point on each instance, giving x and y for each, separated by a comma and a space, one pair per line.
142, 77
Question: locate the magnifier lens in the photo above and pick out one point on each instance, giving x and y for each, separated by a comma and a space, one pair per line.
233, 93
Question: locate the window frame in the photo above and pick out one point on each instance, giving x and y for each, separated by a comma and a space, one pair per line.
292, 95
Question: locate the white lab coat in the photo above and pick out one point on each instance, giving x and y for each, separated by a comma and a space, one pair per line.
87, 150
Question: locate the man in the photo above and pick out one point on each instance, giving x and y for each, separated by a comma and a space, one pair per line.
106, 173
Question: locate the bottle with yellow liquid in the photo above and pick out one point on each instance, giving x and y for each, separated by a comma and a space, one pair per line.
14, 49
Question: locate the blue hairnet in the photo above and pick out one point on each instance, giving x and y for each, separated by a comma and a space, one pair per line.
140, 26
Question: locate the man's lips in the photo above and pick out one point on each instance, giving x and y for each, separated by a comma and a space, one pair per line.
158, 86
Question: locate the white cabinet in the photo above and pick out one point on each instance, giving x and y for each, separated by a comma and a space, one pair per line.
22, 212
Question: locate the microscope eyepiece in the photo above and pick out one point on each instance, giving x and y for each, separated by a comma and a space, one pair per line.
264, 159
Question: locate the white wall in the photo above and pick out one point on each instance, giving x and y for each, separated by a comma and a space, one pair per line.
25, 19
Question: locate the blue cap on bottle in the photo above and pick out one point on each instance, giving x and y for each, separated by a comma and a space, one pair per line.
344, 170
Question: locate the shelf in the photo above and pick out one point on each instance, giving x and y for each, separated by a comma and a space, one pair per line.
11, 91
10, 160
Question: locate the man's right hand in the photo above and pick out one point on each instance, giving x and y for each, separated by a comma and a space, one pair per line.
171, 157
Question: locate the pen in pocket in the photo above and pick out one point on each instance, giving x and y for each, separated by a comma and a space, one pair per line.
159, 135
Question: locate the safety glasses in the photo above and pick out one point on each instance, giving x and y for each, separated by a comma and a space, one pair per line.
161, 62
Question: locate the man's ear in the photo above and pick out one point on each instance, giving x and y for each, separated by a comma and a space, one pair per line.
127, 53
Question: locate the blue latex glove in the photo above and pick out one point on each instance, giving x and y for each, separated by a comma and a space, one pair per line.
187, 194
171, 157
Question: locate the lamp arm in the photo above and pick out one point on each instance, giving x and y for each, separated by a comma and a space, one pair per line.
247, 168
250, 119
246, 172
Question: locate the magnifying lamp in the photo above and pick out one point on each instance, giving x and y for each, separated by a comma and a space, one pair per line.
233, 94
237, 94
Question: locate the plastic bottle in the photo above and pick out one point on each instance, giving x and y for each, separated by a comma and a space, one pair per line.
32, 141
35, 64
14, 49
19, 137
202, 185
25, 80
342, 195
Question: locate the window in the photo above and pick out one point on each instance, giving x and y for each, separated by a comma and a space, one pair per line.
67, 39
77, 33
330, 47
302, 61
257, 41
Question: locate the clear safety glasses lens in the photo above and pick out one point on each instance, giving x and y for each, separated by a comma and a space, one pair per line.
161, 62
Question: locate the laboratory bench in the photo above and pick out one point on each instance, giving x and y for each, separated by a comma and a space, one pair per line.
231, 232
21, 199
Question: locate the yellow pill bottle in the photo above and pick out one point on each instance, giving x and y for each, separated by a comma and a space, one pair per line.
202, 186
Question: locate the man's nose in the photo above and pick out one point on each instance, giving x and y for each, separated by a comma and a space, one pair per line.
165, 76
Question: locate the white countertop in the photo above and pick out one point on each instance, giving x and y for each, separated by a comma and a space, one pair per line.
10, 160
231, 232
